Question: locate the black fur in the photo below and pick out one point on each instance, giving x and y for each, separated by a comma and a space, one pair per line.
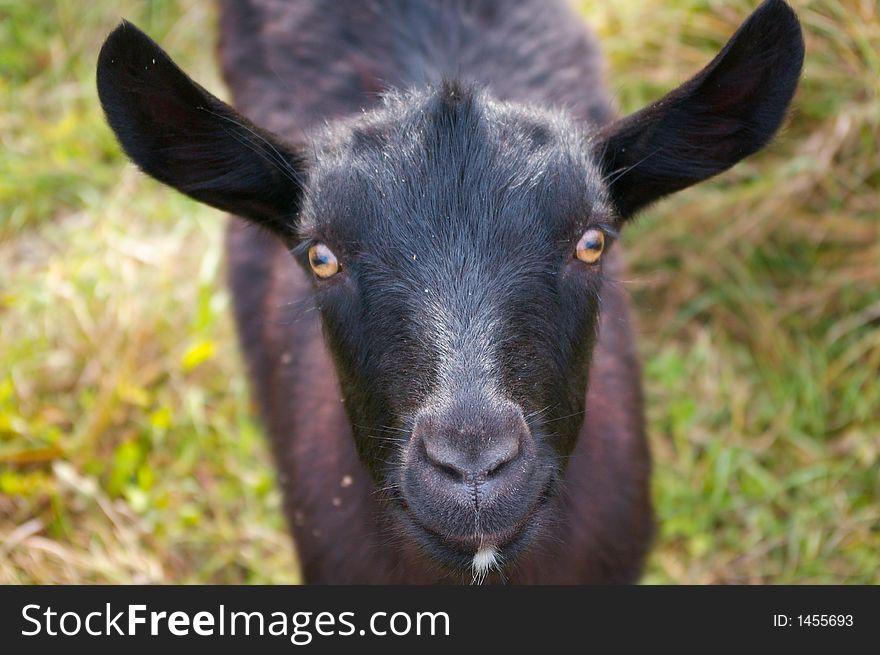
462, 326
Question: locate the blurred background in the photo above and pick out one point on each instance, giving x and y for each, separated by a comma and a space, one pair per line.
129, 451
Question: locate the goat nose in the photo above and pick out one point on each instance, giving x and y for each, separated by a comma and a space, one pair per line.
472, 441
468, 462
469, 465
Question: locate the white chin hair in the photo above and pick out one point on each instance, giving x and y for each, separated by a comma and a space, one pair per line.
484, 561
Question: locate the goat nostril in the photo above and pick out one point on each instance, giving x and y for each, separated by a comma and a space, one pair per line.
468, 448
442, 462
457, 465
449, 471
497, 469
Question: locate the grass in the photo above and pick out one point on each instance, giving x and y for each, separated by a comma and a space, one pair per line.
129, 451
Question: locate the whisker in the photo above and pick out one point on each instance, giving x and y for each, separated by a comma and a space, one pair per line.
562, 418
609, 180
281, 162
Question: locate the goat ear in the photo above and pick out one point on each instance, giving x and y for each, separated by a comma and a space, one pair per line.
180, 134
728, 111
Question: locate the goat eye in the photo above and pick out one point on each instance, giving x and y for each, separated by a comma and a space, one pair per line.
323, 261
590, 247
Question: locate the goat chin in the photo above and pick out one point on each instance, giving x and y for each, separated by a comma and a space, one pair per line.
485, 559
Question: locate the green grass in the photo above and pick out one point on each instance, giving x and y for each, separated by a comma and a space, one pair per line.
128, 447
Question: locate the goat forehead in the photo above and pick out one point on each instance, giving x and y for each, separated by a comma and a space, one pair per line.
422, 174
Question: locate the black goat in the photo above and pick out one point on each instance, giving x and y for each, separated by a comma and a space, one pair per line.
473, 407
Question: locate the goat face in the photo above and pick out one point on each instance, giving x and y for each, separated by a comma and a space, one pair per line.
459, 314
456, 245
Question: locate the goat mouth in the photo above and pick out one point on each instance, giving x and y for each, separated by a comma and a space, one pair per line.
483, 552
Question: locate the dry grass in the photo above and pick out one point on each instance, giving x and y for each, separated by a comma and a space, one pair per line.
128, 451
